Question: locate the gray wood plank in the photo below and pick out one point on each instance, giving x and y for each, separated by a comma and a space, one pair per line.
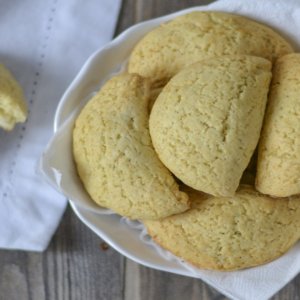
76, 266
290, 292
143, 283
134, 11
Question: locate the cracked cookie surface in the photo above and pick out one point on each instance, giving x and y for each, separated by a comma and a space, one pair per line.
206, 122
114, 155
13, 108
230, 233
200, 35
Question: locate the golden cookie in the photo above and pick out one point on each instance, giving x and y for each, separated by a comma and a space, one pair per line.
230, 233
206, 122
201, 35
13, 108
278, 169
114, 155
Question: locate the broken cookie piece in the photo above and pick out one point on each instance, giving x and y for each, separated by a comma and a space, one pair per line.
13, 108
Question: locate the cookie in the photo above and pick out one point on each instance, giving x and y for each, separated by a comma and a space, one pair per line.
114, 155
230, 233
201, 35
13, 108
206, 122
278, 169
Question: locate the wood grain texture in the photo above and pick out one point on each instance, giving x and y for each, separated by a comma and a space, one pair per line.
78, 265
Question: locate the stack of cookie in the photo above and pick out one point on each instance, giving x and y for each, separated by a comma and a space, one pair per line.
172, 141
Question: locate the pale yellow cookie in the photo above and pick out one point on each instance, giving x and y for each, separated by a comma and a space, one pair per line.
114, 155
13, 108
278, 169
230, 233
206, 122
201, 35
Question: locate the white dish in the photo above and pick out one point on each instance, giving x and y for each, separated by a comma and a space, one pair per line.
129, 238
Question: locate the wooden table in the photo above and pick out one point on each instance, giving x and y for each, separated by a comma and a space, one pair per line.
79, 265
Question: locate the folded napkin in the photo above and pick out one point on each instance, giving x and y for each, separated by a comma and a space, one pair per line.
44, 44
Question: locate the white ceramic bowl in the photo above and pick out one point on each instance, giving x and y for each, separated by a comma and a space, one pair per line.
129, 238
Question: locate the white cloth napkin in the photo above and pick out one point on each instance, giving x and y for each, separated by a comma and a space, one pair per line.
44, 44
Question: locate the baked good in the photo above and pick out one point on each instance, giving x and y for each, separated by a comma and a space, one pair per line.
205, 124
200, 35
230, 233
114, 155
278, 169
13, 108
